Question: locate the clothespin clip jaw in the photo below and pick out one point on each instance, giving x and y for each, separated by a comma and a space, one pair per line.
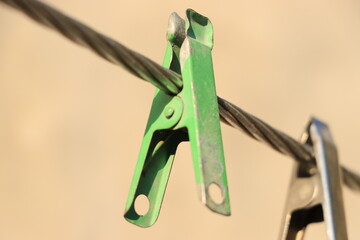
202, 117
191, 115
315, 194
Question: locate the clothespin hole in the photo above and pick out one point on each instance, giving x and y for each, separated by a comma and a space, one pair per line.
216, 193
142, 205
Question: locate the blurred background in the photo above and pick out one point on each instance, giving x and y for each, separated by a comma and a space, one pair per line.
71, 123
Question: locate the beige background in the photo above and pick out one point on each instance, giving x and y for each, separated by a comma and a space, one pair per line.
71, 123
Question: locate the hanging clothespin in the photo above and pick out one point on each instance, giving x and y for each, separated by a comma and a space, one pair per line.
315, 193
192, 115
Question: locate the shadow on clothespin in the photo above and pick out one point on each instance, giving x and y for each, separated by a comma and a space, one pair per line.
315, 193
190, 115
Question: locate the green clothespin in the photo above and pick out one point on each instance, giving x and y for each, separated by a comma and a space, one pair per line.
191, 115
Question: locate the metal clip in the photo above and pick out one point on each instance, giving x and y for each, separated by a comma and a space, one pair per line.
190, 115
315, 193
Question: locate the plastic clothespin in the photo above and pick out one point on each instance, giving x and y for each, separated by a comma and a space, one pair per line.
190, 115
315, 193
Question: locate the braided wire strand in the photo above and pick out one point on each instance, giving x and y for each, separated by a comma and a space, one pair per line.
114, 52
168, 81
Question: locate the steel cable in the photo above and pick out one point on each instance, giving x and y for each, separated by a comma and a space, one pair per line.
168, 81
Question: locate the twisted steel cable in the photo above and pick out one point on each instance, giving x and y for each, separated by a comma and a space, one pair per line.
116, 53
168, 81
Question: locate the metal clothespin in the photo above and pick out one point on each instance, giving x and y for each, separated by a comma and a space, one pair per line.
190, 115
315, 193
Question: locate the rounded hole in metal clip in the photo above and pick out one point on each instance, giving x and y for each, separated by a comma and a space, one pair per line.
216, 194
142, 205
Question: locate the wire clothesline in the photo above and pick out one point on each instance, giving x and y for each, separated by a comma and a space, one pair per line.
169, 81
